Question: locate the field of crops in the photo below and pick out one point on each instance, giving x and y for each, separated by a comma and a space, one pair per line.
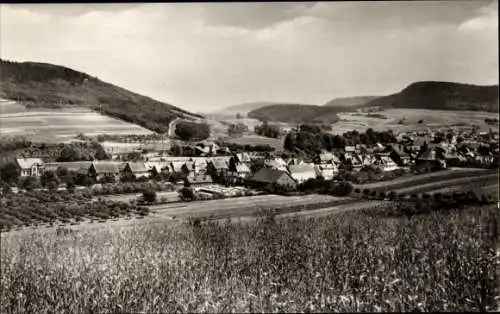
256, 140
58, 125
347, 263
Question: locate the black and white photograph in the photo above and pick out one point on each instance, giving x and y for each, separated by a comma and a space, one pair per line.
249, 157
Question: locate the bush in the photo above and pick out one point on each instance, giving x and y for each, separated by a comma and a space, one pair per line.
149, 196
366, 192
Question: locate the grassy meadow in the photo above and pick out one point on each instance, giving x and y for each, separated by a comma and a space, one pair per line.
59, 125
347, 262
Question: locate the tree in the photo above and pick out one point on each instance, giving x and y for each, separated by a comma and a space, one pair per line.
267, 130
70, 153
30, 183
50, 180
238, 116
191, 131
149, 196
9, 172
186, 194
237, 129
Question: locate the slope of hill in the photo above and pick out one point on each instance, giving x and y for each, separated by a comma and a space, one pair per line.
51, 86
442, 96
350, 101
297, 113
244, 108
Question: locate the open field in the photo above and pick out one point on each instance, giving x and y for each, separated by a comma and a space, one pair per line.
349, 262
59, 125
431, 118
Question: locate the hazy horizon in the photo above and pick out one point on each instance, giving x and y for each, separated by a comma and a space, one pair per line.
208, 56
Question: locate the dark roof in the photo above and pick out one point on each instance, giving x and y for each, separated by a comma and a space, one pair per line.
105, 168
429, 154
137, 167
268, 175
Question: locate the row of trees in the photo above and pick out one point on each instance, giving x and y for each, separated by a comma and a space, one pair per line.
311, 139
236, 130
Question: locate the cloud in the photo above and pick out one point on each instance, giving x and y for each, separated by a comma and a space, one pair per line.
213, 55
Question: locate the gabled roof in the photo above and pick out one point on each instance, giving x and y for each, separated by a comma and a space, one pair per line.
302, 168
70, 165
177, 165
137, 167
268, 175
241, 167
220, 164
429, 154
27, 163
105, 167
158, 165
243, 157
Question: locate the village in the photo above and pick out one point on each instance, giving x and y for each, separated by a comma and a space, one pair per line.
215, 171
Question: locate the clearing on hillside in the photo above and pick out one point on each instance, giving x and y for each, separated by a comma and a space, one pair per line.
59, 125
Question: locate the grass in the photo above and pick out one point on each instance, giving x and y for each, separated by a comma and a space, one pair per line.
347, 262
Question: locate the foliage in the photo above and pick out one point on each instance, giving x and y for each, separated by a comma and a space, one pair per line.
186, 194
9, 172
349, 262
149, 196
29, 183
267, 130
191, 131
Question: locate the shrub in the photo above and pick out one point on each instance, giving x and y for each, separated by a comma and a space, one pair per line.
366, 192
149, 196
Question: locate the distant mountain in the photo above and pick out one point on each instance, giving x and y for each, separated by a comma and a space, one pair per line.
350, 101
297, 113
441, 96
244, 108
47, 85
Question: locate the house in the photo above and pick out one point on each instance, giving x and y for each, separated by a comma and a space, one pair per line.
199, 180
240, 170
200, 166
155, 167
136, 169
267, 177
30, 167
429, 160
294, 161
100, 170
218, 166
399, 156
326, 170
454, 159
385, 163
303, 172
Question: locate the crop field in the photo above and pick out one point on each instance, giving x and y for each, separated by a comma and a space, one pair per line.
349, 262
431, 118
59, 125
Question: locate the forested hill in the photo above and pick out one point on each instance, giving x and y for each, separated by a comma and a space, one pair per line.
297, 113
47, 85
442, 96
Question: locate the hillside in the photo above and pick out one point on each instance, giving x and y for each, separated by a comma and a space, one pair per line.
51, 86
441, 96
297, 113
350, 101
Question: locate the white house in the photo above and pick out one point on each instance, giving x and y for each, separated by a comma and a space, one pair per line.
326, 170
30, 167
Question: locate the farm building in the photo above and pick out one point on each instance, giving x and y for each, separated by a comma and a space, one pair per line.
303, 172
385, 163
326, 170
430, 160
243, 157
276, 163
102, 170
136, 169
266, 177
30, 167
73, 166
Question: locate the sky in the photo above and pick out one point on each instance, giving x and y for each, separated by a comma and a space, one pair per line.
206, 56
